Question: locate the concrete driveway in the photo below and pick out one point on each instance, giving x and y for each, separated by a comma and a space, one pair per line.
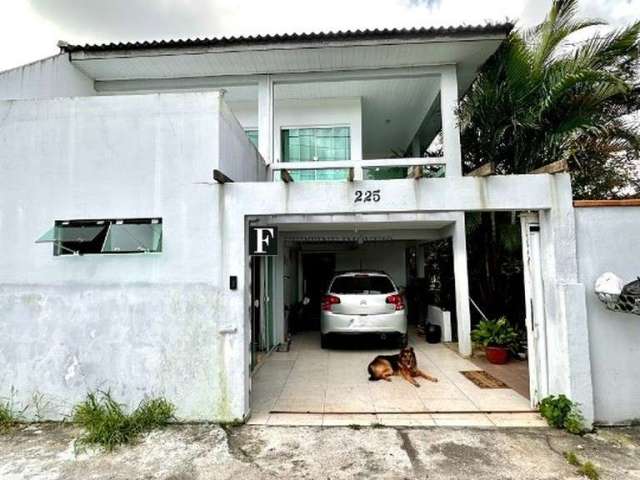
193, 452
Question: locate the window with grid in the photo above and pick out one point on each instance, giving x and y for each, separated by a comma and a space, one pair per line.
317, 145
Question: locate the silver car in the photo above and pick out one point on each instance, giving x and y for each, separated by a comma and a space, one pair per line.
363, 302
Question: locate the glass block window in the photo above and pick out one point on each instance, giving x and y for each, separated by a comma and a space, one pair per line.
317, 145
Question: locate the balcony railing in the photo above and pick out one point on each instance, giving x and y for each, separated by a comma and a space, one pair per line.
355, 168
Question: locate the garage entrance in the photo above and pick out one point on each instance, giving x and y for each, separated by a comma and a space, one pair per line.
302, 383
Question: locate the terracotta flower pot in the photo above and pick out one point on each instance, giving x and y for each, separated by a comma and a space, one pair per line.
497, 355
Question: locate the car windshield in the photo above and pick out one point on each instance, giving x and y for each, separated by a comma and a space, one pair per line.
367, 284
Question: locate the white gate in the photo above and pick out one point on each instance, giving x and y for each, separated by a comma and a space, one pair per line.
534, 307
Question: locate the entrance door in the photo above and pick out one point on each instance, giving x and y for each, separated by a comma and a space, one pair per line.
534, 307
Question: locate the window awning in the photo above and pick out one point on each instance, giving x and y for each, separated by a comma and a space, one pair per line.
72, 233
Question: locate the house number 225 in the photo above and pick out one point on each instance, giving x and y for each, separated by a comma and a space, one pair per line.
366, 196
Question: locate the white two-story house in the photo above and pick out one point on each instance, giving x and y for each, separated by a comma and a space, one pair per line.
130, 175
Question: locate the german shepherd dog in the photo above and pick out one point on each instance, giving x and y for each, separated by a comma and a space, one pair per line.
404, 364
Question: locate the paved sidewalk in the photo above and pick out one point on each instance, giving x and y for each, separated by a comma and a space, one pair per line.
210, 452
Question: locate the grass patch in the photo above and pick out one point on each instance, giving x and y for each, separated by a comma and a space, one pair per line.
589, 470
586, 469
8, 417
107, 424
572, 459
377, 425
354, 426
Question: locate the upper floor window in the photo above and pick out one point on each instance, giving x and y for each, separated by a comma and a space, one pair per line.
316, 145
79, 237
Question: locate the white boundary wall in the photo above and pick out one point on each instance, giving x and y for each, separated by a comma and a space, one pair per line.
609, 241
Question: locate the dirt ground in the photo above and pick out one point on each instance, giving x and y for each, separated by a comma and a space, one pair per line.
189, 452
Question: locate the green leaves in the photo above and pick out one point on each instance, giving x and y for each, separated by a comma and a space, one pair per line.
547, 96
495, 333
560, 412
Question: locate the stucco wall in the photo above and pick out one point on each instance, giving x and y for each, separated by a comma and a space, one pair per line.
608, 241
141, 324
387, 256
48, 78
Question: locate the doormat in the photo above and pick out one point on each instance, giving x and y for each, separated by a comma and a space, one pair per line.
483, 379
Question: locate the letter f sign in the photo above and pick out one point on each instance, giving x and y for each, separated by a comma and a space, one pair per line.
263, 241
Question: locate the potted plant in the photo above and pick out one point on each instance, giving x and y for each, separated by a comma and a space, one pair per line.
497, 337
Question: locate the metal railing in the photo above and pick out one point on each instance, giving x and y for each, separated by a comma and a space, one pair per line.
355, 167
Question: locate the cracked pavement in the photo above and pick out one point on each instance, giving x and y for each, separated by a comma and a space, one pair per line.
186, 452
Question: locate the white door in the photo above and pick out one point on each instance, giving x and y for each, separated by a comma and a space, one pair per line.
534, 306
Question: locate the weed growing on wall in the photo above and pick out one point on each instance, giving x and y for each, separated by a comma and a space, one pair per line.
107, 424
10, 415
560, 412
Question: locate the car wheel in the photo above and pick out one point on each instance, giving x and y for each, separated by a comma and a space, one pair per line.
324, 341
403, 340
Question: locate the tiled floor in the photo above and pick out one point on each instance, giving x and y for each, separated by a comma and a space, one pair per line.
515, 373
311, 386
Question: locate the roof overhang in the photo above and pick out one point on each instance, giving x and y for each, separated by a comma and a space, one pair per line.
466, 46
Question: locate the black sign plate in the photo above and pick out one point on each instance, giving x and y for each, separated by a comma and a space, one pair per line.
263, 241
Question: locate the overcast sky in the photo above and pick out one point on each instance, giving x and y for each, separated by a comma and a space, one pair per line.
29, 29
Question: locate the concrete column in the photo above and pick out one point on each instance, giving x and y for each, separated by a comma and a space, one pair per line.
265, 118
567, 328
450, 130
463, 313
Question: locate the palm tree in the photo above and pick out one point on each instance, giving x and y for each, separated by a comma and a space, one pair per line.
542, 98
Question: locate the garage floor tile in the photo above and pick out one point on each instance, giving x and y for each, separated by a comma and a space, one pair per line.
333, 385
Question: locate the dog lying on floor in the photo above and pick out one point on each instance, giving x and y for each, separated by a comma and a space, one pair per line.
383, 367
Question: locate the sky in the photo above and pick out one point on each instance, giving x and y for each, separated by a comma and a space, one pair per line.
30, 29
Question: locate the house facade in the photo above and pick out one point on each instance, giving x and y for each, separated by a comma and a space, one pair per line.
133, 174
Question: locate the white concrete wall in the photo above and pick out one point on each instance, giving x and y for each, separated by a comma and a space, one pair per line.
48, 78
239, 158
609, 241
141, 324
387, 256
307, 113
438, 316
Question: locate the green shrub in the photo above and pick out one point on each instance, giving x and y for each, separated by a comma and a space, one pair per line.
106, 423
560, 412
495, 333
